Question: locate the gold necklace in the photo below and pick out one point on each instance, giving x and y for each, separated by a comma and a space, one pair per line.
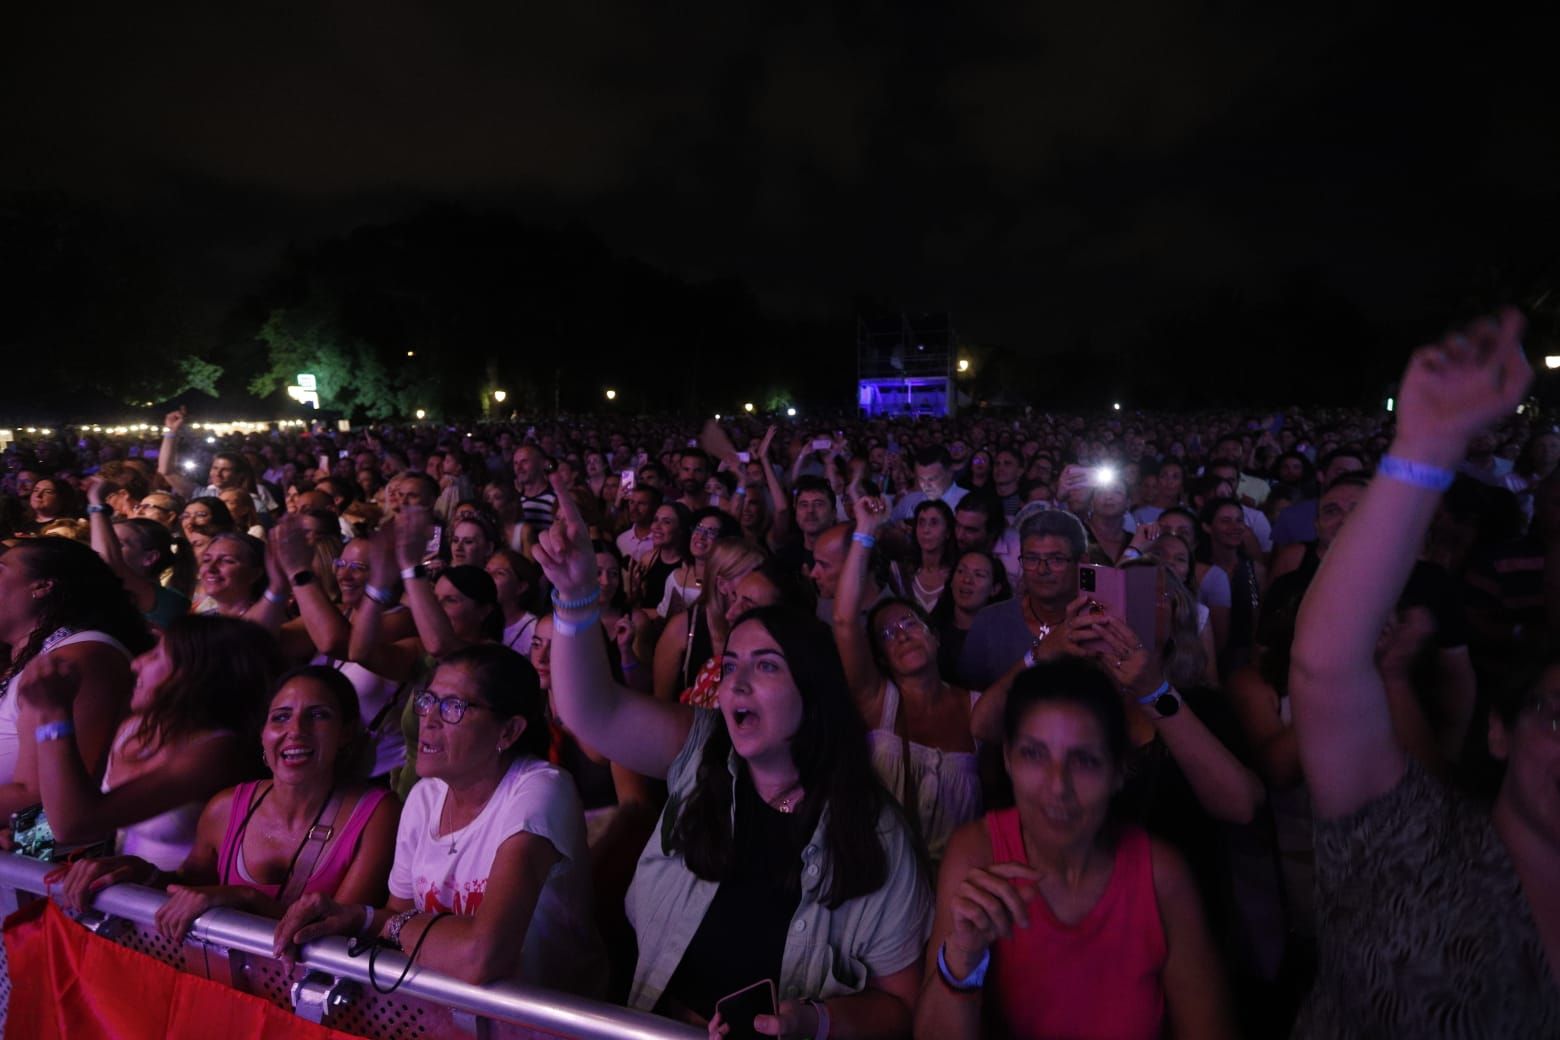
787, 804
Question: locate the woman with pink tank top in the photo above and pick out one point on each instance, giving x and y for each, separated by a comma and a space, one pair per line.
312, 827
1054, 921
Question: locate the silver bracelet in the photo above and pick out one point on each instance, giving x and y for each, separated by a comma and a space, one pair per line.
393, 930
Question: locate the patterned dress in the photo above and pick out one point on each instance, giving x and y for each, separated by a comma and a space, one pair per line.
1424, 930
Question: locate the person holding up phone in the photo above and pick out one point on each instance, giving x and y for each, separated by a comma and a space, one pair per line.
779, 854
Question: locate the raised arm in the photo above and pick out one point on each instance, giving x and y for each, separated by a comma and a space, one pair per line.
105, 543
1450, 391
99, 701
77, 808
369, 645
850, 635
630, 728
1225, 788
413, 528
167, 455
328, 631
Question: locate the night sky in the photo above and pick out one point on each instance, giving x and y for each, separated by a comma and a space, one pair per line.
1056, 175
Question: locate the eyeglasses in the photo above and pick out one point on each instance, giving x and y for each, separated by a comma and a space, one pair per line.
348, 565
707, 531
451, 709
147, 507
1053, 562
909, 625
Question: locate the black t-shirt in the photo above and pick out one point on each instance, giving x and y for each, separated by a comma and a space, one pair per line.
654, 586
742, 937
1158, 797
795, 557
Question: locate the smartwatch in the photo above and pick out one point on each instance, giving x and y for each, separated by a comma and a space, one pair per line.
415, 571
1163, 702
302, 578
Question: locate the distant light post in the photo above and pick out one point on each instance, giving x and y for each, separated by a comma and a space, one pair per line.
964, 364
790, 413
748, 407
421, 415
500, 395
611, 394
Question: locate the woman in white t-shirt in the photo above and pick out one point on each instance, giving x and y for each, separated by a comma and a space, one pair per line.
490, 878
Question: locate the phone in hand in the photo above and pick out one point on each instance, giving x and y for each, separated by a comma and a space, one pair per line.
822, 444
1130, 593
626, 479
431, 550
743, 456
739, 1009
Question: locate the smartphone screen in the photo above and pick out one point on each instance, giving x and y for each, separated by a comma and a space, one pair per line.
431, 550
743, 456
740, 1008
822, 444
626, 479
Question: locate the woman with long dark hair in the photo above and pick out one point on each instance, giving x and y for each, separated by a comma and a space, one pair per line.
817, 848
258, 846
59, 599
180, 745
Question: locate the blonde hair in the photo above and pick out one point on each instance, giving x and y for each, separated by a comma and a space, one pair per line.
729, 559
1185, 663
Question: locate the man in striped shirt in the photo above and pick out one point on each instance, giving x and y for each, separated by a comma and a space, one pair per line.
538, 502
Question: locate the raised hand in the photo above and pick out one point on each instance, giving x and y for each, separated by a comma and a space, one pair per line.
563, 551
174, 420
990, 903
1132, 666
1075, 636
871, 514
97, 490
1074, 482
1455, 388
48, 685
413, 529
290, 545
1144, 536
382, 570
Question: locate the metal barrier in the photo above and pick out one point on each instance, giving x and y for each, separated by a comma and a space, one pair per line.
330, 987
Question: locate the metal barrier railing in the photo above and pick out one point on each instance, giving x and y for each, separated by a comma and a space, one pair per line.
331, 987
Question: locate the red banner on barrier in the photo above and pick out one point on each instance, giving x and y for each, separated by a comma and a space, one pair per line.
68, 984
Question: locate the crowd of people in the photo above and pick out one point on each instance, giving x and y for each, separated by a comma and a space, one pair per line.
1046, 726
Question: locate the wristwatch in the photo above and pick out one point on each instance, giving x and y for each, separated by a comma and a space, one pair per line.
1163, 702
302, 578
416, 570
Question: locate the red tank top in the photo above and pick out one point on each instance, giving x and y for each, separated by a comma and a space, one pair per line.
1100, 977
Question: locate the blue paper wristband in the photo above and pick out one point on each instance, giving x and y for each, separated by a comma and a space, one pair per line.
54, 731
574, 628
1416, 474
